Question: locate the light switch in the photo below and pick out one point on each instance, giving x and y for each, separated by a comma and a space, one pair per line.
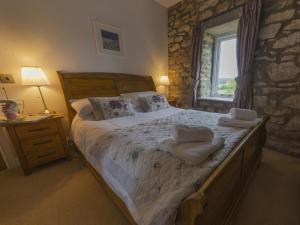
6, 78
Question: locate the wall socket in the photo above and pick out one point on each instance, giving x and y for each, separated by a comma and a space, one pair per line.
6, 78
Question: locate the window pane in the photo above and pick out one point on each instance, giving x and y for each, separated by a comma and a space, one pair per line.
227, 67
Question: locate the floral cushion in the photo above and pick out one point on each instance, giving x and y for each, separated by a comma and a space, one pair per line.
135, 102
107, 108
156, 102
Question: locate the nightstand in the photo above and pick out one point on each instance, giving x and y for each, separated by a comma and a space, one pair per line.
38, 143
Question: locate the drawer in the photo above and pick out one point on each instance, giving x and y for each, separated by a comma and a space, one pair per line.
45, 155
32, 131
41, 143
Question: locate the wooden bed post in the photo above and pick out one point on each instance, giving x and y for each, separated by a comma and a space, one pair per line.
191, 209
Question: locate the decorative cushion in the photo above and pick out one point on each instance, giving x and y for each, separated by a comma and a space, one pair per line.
110, 107
137, 105
156, 102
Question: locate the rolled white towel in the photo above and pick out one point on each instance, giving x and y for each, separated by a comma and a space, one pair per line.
243, 114
184, 134
193, 153
230, 122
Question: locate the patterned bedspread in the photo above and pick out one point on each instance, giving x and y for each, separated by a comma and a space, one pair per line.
153, 183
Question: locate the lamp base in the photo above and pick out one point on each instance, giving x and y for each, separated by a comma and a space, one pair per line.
47, 112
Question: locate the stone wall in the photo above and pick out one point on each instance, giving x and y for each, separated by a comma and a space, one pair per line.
277, 64
206, 68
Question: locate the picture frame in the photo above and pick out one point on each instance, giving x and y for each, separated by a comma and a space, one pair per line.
108, 39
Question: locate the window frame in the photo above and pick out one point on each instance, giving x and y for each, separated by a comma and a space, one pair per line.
216, 63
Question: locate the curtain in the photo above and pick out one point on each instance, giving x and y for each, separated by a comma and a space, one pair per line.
247, 34
198, 31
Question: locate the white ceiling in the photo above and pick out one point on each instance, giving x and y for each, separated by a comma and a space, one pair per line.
167, 3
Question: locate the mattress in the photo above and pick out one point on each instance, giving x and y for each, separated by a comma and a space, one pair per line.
152, 183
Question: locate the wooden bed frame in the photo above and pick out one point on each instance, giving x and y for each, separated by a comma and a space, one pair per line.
216, 200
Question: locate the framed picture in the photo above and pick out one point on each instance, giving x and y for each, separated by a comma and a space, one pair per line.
108, 39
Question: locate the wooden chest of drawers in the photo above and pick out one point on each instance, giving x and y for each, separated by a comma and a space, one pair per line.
38, 143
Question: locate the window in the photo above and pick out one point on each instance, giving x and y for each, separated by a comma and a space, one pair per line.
224, 66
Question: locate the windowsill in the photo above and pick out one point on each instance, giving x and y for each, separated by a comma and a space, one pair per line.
218, 99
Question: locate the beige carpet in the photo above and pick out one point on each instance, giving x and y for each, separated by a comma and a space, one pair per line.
66, 193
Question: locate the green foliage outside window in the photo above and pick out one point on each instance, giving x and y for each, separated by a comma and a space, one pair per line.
226, 87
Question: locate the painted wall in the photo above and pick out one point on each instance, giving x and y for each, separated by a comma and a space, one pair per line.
58, 35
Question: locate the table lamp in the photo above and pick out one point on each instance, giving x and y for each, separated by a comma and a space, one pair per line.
35, 76
164, 80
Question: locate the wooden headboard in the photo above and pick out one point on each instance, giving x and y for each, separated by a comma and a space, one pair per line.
83, 85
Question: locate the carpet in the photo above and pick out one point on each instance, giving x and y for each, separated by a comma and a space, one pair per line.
66, 193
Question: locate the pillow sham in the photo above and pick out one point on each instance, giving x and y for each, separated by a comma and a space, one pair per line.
137, 105
82, 106
110, 107
156, 102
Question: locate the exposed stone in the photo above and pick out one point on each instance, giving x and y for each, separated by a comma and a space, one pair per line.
260, 84
287, 58
280, 16
273, 102
207, 4
184, 28
278, 120
239, 2
174, 48
291, 50
260, 101
294, 124
277, 5
294, 25
289, 84
222, 6
277, 111
292, 101
178, 39
274, 90
265, 58
283, 71
206, 14
269, 31
178, 23
290, 40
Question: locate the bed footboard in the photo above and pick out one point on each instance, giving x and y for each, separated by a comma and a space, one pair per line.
215, 202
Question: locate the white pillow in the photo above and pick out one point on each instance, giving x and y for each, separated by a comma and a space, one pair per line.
110, 107
136, 103
82, 106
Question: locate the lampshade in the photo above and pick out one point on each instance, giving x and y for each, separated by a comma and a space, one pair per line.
164, 80
34, 76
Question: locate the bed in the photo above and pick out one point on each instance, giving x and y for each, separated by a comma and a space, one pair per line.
151, 187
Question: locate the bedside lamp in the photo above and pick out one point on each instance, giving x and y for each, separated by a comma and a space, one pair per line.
164, 80
35, 76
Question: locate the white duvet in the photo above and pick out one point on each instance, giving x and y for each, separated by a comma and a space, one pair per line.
151, 182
